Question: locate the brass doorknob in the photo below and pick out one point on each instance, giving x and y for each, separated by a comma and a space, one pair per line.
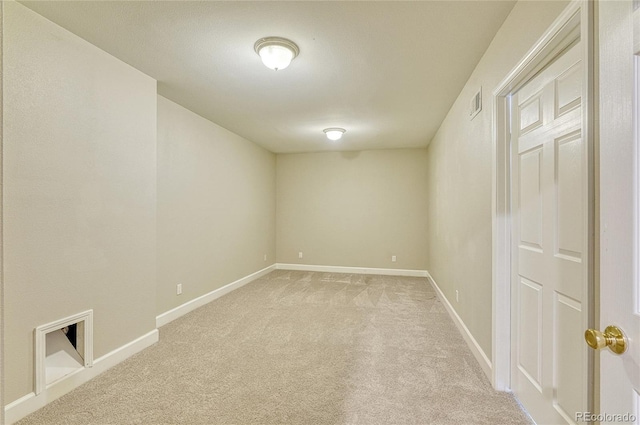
612, 337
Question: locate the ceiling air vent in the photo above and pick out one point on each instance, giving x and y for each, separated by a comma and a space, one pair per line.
476, 104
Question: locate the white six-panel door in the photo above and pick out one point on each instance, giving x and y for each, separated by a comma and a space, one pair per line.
619, 159
549, 201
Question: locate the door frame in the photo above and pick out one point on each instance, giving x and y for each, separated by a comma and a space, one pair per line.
1, 221
577, 20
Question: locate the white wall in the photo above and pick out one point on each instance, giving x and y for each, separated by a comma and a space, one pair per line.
216, 206
459, 167
79, 191
353, 208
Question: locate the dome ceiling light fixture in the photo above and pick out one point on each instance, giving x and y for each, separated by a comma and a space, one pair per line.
334, 133
276, 52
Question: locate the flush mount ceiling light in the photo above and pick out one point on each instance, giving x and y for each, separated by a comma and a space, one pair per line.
276, 52
334, 133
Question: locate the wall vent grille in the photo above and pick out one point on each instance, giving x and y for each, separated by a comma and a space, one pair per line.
476, 104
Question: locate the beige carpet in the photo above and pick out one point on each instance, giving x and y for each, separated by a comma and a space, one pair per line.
299, 348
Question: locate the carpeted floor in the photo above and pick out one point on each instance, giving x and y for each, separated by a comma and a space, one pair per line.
299, 348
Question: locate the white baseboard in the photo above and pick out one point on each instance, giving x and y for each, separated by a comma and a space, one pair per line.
30, 403
189, 306
475, 348
355, 270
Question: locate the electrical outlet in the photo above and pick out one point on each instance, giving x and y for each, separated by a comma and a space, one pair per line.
300, 254
265, 257
457, 296
393, 258
179, 289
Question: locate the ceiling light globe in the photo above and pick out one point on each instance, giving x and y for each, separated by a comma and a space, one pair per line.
334, 133
276, 57
276, 52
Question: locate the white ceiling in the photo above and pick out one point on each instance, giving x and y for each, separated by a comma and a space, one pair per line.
388, 72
